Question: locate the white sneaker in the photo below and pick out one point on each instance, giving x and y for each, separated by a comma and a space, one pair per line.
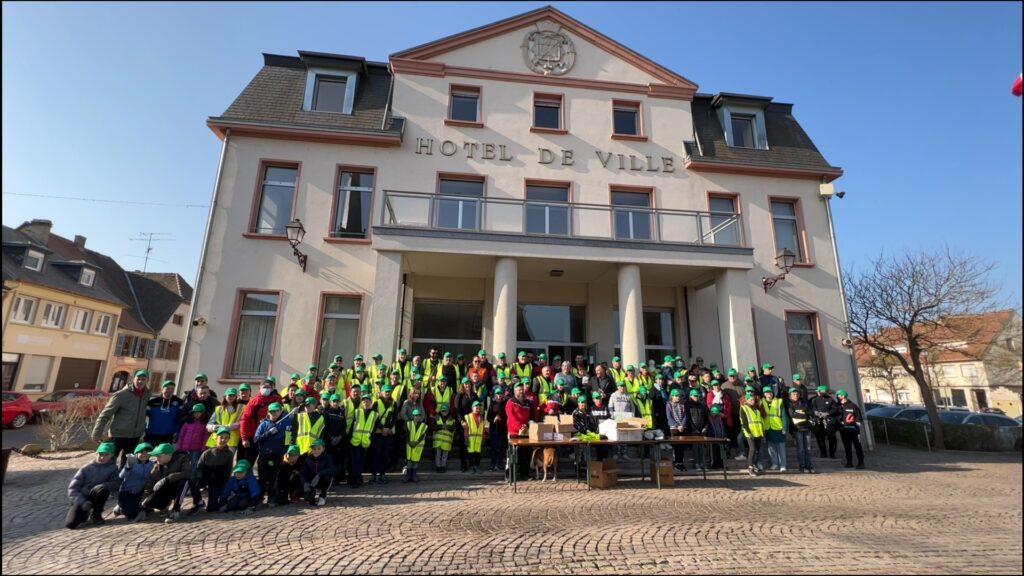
783, 469
740, 457
321, 502
774, 468
117, 510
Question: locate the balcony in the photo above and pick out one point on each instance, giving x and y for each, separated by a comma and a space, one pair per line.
560, 222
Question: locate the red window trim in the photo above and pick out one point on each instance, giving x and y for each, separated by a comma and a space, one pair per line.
807, 262
229, 355
258, 195
338, 169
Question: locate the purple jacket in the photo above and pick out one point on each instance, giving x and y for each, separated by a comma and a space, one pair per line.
192, 436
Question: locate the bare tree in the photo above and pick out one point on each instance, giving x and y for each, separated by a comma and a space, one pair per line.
885, 368
911, 301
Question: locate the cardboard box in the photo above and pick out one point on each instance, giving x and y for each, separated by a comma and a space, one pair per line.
603, 480
558, 437
561, 419
621, 431
540, 432
564, 429
604, 465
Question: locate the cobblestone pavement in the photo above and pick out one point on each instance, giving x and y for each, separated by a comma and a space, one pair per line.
912, 512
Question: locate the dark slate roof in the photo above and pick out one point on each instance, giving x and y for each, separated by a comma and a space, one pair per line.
51, 275
275, 96
789, 146
159, 295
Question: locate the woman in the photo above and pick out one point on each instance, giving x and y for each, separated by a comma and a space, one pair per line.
226, 415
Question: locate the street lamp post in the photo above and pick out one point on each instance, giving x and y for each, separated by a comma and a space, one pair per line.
784, 260
296, 232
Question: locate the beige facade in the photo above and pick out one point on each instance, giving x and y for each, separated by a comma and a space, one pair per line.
707, 291
163, 365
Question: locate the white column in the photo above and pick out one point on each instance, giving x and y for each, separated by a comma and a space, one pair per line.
384, 308
506, 298
631, 315
735, 319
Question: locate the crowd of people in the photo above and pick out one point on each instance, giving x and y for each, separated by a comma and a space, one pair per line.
276, 444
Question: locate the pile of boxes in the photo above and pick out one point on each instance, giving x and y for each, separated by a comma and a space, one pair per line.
603, 474
628, 430
562, 424
663, 468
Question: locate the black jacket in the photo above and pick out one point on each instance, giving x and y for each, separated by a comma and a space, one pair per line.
696, 417
799, 415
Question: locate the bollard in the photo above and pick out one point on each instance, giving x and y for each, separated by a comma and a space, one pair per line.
926, 441
885, 427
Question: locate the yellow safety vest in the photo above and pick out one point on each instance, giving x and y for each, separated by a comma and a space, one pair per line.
307, 432
502, 372
754, 422
442, 397
443, 429
224, 418
645, 381
523, 370
475, 438
403, 371
645, 412
631, 385
543, 389
364, 429
382, 412
378, 371
617, 374
430, 368
414, 446
773, 414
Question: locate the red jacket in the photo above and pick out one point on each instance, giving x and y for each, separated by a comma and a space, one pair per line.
255, 411
517, 415
726, 406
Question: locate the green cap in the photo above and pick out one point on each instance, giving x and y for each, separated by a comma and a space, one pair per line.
677, 374
442, 378
447, 355
401, 350
465, 379
160, 449
620, 384
309, 375
542, 356
694, 392
223, 430
501, 354
715, 371
300, 391
105, 448
143, 447
518, 384
678, 357
751, 368
792, 390
716, 383
641, 390
460, 355
575, 391
231, 392
559, 381
271, 379
521, 354
357, 357
199, 376
296, 376
766, 389
337, 357
715, 409
360, 369
293, 450
499, 389
581, 399
616, 359
318, 442
595, 394
311, 367
364, 388
476, 403
822, 388
659, 376
167, 383
334, 397
396, 371
667, 359
325, 395
841, 392
767, 366
748, 379
676, 392
377, 356
240, 468
630, 368
749, 390
310, 401
142, 373
749, 396
796, 377
274, 407
386, 388
332, 365
418, 412
244, 386
731, 372
481, 352
198, 408
525, 380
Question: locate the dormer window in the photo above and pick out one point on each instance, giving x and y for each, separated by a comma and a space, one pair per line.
88, 277
743, 131
34, 260
329, 90
742, 119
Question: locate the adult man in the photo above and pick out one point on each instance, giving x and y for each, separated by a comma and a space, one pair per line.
616, 372
486, 370
774, 429
800, 427
769, 379
498, 435
659, 398
253, 412
697, 423
449, 370
602, 382
334, 436
432, 365
383, 434
849, 429
518, 411
402, 364
522, 368
799, 386
124, 416
568, 377
502, 370
542, 385
824, 421
192, 397
162, 412
378, 369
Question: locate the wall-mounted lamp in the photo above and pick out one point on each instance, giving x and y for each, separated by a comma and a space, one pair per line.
296, 232
784, 260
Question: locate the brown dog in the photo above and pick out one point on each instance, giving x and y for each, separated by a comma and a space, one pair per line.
545, 458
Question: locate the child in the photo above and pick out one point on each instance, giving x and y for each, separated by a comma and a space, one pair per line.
289, 482
499, 432
416, 432
363, 422
134, 475
473, 429
716, 429
226, 414
214, 467
241, 492
270, 437
752, 422
444, 427
192, 439
168, 481
91, 487
317, 471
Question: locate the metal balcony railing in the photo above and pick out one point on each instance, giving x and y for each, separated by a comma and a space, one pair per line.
561, 219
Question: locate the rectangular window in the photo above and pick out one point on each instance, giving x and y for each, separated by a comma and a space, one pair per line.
659, 326
88, 277
339, 328
103, 323
459, 203
329, 94
959, 397
632, 214
949, 371
448, 321
34, 260
968, 370
81, 320
547, 111
24, 310
37, 373
173, 350
465, 104
552, 324
161, 349
178, 319
626, 118
277, 192
787, 229
53, 315
352, 205
802, 333
903, 396
254, 335
743, 131
725, 224
547, 209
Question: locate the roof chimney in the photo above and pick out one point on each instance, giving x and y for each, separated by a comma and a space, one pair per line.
38, 230
79, 241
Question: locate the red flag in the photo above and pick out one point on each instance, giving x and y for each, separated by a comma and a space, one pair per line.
1016, 86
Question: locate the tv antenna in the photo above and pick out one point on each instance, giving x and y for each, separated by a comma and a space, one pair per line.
148, 238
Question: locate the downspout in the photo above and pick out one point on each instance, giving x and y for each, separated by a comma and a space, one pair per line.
401, 311
202, 257
686, 312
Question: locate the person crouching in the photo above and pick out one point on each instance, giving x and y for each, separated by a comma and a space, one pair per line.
91, 487
168, 482
134, 475
242, 491
317, 471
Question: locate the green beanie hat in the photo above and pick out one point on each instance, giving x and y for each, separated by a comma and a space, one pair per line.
105, 448
842, 392
822, 388
143, 447
198, 408
274, 407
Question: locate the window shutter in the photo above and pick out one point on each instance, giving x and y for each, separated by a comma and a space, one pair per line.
119, 348
150, 348
135, 346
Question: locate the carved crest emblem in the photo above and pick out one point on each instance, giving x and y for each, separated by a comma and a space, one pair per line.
547, 50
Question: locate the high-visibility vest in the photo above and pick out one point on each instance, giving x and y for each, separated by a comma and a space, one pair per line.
754, 422
644, 406
430, 367
364, 419
382, 412
442, 397
221, 417
443, 429
645, 381
523, 370
414, 445
403, 371
350, 406
617, 374
307, 432
632, 385
773, 414
378, 371
502, 372
475, 438
543, 388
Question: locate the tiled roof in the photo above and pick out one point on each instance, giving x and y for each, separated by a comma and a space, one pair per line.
275, 97
159, 295
976, 332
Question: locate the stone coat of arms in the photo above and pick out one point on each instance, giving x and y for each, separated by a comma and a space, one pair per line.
547, 50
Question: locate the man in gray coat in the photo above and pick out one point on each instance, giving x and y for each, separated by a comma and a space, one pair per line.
125, 415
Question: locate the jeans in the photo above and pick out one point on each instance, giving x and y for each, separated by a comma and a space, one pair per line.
130, 504
267, 466
741, 444
754, 451
171, 493
197, 493
803, 448
777, 454
381, 453
358, 452
213, 500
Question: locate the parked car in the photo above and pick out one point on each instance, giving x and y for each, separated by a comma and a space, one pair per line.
992, 411
17, 409
911, 413
901, 412
868, 406
975, 418
948, 417
57, 400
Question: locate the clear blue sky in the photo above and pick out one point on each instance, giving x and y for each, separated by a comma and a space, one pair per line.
912, 100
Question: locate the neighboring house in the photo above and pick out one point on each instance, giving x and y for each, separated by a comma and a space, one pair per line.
977, 366
59, 318
527, 185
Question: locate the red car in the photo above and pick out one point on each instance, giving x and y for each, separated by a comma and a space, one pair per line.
17, 409
55, 401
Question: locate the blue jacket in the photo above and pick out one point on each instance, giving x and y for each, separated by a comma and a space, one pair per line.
134, 479
163, 415
247, 484
272, 443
